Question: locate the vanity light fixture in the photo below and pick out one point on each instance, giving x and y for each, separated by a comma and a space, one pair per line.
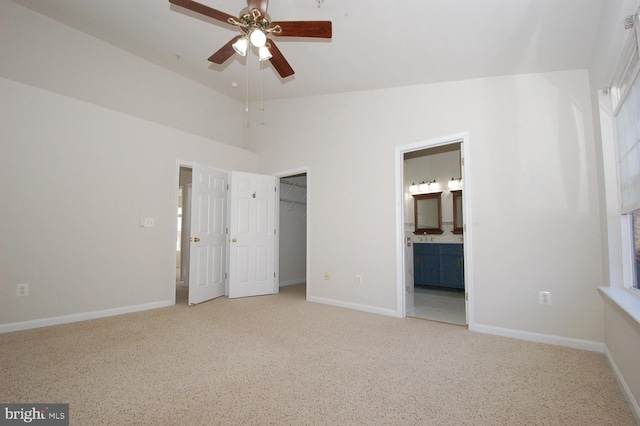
455, 183
424, 187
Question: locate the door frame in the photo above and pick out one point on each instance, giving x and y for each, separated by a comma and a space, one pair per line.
280, 175
401, 260
174, 252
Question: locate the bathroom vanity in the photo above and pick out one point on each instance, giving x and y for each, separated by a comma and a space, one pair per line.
438, 264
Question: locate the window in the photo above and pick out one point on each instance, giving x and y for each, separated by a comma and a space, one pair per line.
636, 247
625, 95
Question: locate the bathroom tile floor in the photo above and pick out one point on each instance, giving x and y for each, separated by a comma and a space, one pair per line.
438, 304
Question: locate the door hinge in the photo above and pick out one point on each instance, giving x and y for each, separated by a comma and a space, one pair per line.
227, 187
226, 230
462, 161
466, 297
274, 232
225, 275
464, 227
274, 275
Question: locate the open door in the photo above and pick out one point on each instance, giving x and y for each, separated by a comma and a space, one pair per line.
207, 260
252, 227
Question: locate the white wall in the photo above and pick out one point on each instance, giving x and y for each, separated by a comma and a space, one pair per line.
90, 140
535, 206
44, 53
75, 180
441, 167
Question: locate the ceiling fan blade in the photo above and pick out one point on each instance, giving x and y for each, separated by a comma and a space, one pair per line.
261, 5
278, 61
225, 52
317, 29
203, 10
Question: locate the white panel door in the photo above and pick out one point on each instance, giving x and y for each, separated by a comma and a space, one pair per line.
252, 235
208, 240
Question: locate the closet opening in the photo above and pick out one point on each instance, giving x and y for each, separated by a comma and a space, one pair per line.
292, 241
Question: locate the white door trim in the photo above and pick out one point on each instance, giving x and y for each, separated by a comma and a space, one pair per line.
174, 253
467, 215
301, 170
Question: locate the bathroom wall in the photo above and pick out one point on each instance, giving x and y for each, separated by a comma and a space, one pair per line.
441, 164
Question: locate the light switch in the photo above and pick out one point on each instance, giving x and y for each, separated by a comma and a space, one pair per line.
147, 222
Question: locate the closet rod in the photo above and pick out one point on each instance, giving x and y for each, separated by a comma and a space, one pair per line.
286, 200
288, 182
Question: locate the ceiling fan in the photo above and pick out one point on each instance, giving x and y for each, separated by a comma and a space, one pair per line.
256, 26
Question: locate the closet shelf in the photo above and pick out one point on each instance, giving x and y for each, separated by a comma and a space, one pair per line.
289, 182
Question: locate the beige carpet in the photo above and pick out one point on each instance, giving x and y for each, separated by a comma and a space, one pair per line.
281, 360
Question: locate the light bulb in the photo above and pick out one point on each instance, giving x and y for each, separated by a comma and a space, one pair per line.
258, 39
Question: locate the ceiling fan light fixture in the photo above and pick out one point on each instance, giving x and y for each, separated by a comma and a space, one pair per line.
258, 38
264, 53
241, 46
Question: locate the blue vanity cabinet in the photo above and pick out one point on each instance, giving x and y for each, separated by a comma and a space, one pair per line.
426, 264
438, 265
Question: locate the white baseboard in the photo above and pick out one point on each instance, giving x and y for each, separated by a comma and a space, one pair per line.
292, 282
586, 345
65, 319
357, 307
635, 408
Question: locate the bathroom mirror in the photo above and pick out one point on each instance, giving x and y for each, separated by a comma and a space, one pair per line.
427, 210
457, 211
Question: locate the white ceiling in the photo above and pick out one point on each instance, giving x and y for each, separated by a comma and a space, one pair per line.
376, 43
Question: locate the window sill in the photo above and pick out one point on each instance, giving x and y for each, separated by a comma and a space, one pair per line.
628, 300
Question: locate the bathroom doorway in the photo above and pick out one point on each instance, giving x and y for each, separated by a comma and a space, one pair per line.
434, 254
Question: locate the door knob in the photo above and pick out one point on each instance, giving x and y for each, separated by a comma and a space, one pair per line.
195, 239
233, 240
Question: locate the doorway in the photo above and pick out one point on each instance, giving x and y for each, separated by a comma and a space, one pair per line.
206, 245
183, 232
434, 280
292, 241
438, 282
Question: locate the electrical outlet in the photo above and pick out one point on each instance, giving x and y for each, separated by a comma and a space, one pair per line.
327, 277
22, 290
544, 298
359, 279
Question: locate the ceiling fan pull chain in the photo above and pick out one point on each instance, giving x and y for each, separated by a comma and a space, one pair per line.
262, 94
246, 108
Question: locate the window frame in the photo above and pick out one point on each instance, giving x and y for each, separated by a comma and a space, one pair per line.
627, 71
